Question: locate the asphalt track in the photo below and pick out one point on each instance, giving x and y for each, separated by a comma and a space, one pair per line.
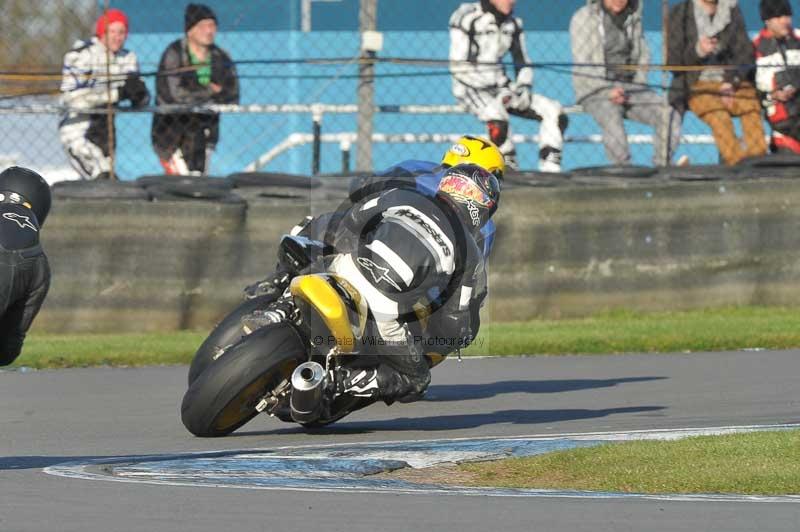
52, 417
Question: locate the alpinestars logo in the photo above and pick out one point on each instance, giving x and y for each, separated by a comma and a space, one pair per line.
437, 237
474, 213
379, 273
20, 220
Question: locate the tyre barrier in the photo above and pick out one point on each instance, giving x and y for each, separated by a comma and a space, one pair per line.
619, 171
267, 193
100, 190
270, 179
536, 179
772, 160
774, 165
188, 192
222, 183
713, 172
613, 175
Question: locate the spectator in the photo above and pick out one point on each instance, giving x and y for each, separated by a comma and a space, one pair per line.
85, 85
778, 75
481, 33
192, 71
24, 270
609, 32
711, 33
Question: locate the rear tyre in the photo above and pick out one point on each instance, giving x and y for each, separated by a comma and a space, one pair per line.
224, 397
227, 332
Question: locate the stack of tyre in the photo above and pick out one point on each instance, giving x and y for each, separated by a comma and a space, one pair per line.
267, 186
234, 188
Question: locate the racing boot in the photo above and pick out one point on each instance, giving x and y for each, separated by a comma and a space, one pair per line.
358, 382
549, 160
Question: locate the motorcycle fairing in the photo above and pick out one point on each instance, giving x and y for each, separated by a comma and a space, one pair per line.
322, 296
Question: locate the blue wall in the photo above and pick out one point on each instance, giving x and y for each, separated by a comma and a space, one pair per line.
251, 31
342, 15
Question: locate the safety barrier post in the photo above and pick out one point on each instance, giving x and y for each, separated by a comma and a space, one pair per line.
367, 16
316, 116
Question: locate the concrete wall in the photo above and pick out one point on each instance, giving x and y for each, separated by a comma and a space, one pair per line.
565, 251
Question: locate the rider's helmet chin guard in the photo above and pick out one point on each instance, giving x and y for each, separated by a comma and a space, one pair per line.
26, 187
472, 192
476, 150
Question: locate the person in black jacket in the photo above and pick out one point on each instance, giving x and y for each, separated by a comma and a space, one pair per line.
192, 71
24, 270
711, 34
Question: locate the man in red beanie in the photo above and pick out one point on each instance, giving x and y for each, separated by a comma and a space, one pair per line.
192, 71
778, 73
86, 77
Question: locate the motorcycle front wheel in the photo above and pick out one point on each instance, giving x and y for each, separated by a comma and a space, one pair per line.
227, 332
225, 395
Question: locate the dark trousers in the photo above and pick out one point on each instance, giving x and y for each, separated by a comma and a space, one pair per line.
24, 281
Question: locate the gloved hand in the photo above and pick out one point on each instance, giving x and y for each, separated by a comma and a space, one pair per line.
521, 96
275, 284
455, 327
135, 91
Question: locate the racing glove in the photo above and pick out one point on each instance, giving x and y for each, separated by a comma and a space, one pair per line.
520, 96
135, 91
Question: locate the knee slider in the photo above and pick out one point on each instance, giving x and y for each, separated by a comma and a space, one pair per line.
498, 131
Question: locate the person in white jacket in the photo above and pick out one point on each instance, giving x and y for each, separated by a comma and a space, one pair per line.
85, 83
481, 34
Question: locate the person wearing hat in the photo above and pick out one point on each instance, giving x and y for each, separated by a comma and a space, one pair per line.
85, 81
193, 71
24, 270
778, 73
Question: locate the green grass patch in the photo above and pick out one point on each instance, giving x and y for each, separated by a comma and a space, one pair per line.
633, 332
81, 350
614, 332
759, 463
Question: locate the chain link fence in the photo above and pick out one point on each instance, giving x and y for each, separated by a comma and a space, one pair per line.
333, 85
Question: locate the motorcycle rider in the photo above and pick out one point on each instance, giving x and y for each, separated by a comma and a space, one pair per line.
414, 259
24, 270
424, 175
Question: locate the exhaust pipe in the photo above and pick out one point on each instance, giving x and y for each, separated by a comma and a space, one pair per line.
308, 384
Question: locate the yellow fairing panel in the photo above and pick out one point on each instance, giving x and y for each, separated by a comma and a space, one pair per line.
320, 295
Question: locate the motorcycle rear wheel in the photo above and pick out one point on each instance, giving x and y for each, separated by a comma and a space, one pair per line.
225, 395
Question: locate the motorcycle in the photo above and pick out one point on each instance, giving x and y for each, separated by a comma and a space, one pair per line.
283, 369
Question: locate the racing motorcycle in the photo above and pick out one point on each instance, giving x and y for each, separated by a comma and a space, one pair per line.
284, 368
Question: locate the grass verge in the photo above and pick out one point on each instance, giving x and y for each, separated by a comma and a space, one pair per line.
631, 332
759, 463
81, 350
615, 332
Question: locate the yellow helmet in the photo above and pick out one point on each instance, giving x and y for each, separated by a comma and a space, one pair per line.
476, 150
